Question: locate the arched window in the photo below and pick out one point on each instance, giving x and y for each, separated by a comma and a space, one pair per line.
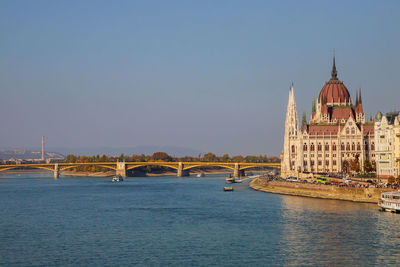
334, 146
305, 147
353, 131
293, 149
319, 147
353, 146
342, 146
348, 146
326, 147
358, 146
347, 131
312, 148
372, 146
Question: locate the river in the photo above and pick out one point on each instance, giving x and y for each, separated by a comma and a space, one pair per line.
183, 221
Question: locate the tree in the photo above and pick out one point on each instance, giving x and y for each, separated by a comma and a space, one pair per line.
250, 159
345, 166
373, 166
161, 156
238, 158
70, 158
225, 158
355, 164
209, 157
368, 166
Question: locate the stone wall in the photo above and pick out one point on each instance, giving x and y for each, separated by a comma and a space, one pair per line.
370, 195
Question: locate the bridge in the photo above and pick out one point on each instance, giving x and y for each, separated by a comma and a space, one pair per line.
121, 168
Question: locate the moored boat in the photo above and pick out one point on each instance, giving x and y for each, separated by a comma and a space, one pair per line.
117, 178
229, 180
228, 188
390, 201
200, 175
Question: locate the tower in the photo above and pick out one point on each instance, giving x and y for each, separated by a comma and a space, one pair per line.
42, 158
290, 142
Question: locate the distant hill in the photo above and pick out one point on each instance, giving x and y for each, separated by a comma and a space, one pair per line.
26, 154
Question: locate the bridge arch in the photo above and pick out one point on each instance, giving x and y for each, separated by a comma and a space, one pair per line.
29, 167
208, 165
152, 164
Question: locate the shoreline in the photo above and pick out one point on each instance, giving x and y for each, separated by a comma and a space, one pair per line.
361, 195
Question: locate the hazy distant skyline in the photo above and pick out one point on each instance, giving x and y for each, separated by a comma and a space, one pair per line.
212, 76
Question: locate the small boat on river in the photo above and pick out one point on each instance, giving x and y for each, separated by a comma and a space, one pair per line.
390, 201
200, 175
231, 180
117, 178
228, 188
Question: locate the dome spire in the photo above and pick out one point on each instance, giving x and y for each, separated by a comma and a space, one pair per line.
334, 72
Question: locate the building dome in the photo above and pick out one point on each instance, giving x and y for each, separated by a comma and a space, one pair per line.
334, 91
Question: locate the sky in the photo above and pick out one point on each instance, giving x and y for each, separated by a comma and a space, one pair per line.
211, 76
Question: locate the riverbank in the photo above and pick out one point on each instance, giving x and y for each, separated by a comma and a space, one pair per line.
355, 194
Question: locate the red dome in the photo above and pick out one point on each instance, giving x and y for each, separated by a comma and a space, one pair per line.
334, 92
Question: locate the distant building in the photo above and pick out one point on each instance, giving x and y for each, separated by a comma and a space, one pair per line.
387, 140
335, 134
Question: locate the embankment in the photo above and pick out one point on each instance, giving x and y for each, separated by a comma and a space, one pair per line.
368, 195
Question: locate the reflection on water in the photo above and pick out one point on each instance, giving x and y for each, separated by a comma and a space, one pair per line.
183, 221
331, 232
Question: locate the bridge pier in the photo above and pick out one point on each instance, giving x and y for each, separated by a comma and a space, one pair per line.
236, 172
121, 169
180, 170
56, 171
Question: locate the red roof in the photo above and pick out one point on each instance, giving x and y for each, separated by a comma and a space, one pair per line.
368, 129
334, 91
323, 129
340, 113
359, 109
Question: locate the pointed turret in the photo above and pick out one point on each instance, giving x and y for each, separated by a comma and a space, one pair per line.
360, 99
356, 98
304, 122
334, 72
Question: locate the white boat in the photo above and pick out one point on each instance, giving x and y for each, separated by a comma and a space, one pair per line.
390, 201
228, 188
231, 180
117, 178
200, 175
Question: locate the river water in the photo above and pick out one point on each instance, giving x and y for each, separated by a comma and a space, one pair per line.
181, 222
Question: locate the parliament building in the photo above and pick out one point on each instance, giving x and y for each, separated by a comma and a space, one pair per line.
336, 134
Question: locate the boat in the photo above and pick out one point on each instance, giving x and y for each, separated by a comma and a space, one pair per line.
228, 188
390, 201
231, 180
200, 175
117, 178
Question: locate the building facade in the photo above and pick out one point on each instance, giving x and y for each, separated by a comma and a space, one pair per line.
335, 135
387, 140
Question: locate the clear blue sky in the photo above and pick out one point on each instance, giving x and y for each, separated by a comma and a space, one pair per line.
208, 75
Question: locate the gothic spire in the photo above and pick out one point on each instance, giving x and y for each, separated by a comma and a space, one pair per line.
334, 72
359, 96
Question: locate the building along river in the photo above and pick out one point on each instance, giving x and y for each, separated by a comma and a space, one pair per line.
183, 221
